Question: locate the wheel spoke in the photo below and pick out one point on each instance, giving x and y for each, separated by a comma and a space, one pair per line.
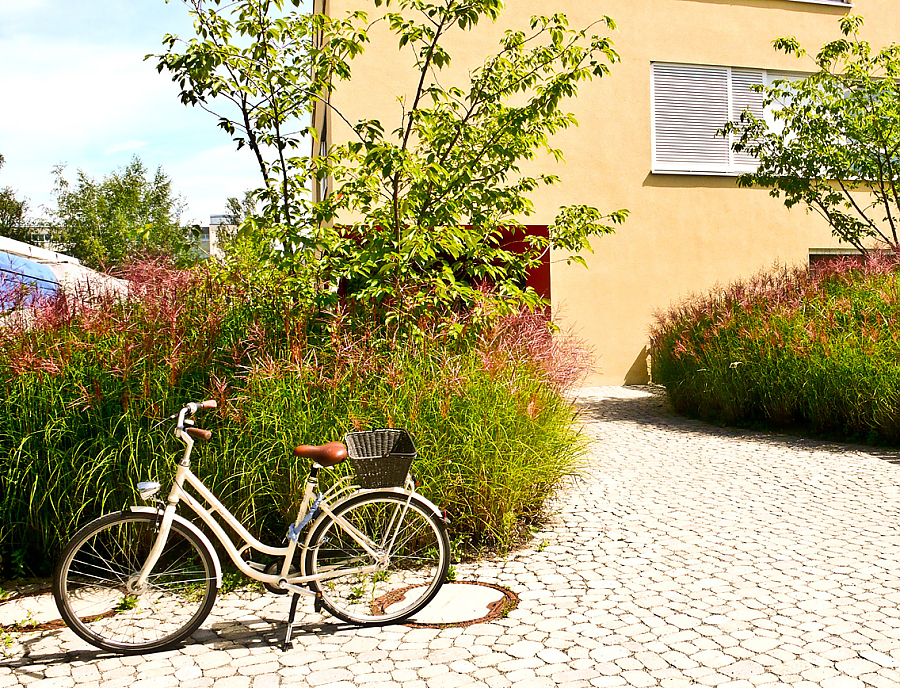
404, 582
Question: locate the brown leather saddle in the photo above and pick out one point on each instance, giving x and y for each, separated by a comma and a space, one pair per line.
329, 454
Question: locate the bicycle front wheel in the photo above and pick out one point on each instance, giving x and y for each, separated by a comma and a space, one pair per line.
413, 556
94, 584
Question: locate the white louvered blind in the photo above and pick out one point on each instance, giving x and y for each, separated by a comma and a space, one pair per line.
743, 97
690, 104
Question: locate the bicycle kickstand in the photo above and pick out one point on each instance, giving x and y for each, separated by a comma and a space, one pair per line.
290, 624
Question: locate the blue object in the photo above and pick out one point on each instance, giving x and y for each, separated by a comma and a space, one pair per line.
294, 531
22, 281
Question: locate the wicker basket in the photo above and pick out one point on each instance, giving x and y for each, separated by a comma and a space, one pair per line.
381, 458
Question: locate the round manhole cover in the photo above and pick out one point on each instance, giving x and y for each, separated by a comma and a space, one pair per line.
461, 603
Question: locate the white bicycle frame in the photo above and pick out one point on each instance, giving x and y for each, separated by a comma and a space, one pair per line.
338, 492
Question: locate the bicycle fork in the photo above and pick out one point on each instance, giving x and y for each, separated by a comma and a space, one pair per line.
136, 585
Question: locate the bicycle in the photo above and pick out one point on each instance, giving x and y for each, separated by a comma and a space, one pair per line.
144, 579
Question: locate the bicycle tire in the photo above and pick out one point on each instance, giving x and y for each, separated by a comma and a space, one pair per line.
91, 577
409, 577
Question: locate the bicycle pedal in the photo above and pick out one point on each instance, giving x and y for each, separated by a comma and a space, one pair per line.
317, 604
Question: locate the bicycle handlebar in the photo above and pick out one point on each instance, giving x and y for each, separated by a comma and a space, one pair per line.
195, 406
184, 429
198, 433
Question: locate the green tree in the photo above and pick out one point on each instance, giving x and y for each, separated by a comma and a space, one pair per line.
127, 214
244, 243
835, 143
13, 214
254, 57
410, 215
237, 210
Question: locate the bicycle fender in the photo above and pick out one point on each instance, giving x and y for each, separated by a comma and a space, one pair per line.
195, 530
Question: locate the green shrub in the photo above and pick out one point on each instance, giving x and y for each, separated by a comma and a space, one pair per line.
816, 347
84, 381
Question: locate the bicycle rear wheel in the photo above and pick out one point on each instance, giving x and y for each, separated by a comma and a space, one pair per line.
414, 556
92, 584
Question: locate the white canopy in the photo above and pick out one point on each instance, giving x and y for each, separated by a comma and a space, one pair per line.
71, 274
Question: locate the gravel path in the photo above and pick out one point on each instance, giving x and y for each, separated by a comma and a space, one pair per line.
690, 555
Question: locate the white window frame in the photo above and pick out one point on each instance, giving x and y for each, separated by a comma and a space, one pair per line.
323, 151
833, 3
732, 169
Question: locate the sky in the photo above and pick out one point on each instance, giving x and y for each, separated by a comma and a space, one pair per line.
75, 90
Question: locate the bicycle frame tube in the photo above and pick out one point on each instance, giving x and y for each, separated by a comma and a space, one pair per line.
184, 475
178, 494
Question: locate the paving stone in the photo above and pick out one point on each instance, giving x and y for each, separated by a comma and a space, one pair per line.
328, 676
168, 681
266, 681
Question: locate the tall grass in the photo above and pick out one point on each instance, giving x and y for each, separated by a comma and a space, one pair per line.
83, 382
817, 347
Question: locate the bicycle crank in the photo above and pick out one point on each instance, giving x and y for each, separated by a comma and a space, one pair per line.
274, 569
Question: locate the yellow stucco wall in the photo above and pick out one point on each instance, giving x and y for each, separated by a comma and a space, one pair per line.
685, 233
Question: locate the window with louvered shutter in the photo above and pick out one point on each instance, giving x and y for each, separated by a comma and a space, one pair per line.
690, 104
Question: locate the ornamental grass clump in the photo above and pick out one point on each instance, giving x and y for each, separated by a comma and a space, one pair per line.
83, 383
817, 347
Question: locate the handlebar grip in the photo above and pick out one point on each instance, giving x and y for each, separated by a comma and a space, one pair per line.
198, 433
208, 404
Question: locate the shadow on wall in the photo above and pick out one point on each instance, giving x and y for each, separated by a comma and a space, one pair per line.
639, 372
689, 181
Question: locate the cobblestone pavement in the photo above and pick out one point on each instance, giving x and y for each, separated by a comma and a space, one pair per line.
690, 555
